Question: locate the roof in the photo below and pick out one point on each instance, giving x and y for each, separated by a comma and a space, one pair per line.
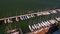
57, 32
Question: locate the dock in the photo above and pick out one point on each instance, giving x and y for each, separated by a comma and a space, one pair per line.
37, 13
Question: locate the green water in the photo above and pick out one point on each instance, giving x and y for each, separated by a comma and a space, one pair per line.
17, 7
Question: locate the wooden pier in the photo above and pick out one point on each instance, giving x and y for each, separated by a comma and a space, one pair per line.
38, 13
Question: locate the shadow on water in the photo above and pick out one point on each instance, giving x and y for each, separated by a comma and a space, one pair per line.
52, 29
1, 22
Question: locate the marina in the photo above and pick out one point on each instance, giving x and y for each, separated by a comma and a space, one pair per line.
32, 16
28, 16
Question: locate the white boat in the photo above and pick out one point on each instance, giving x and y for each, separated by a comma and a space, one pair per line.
39, 25
9, 20
32, 15
58, 19
28, 17
17, 19
35, 26
21, 18
15, 32
44, 24
30, 28
48, 22
52, 21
